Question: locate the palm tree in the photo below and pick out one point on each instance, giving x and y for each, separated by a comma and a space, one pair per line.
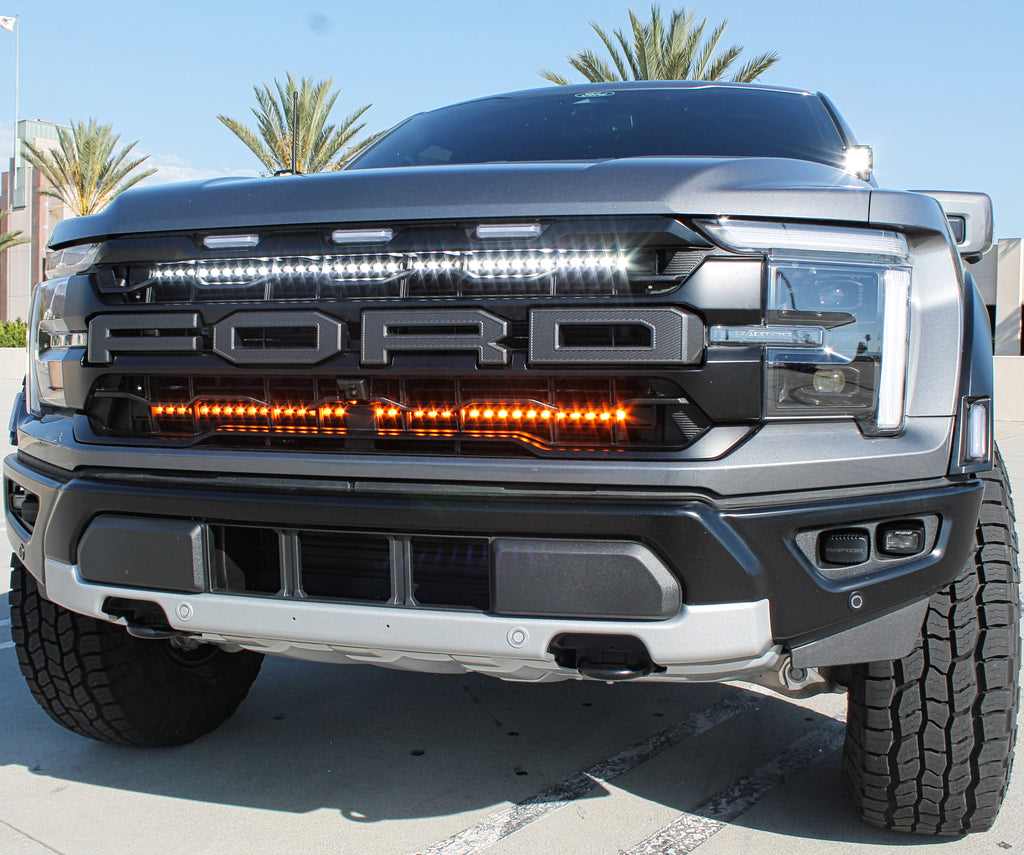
320, 147
9, 239
85, 171
676, 50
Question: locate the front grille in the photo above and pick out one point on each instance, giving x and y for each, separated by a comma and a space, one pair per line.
440, 415
361, 567
589, 257
417, 277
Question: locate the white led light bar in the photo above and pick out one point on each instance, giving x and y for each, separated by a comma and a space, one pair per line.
756, 236
895, 333
493, 265
231, 241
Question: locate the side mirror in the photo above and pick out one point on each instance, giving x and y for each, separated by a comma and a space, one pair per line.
970, 219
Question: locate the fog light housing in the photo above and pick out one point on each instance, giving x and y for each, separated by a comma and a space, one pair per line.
901, 538
845, 547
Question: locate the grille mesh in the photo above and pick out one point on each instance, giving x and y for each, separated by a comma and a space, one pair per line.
429, 414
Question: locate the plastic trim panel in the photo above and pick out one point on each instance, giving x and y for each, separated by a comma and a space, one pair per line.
700, 636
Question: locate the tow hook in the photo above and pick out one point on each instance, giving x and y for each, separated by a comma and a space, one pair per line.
610, 658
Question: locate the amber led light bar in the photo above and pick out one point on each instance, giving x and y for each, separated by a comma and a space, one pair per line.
475, 413
250, 415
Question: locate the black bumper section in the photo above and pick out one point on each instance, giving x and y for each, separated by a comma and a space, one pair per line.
715, 555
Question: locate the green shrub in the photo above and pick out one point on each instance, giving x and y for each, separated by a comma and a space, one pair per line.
12, 333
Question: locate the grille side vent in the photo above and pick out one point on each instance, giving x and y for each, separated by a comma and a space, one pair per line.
683, 263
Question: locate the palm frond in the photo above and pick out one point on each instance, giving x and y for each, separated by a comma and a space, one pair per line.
554, 77
756, 67
722, 63
619, 60
87, 170
592, 67
319, 145
9, 239
661, 48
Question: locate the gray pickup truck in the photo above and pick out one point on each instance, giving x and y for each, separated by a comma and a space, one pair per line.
624, 382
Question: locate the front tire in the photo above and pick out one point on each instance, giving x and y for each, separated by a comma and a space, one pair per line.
96, 680
930, 737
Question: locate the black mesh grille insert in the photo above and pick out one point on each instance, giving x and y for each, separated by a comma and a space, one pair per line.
594, 270
546, 416
451, 571
345, 566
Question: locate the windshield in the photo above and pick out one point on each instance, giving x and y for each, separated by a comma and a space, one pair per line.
716, 121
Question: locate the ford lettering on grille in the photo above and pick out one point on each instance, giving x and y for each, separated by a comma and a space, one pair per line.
663, 336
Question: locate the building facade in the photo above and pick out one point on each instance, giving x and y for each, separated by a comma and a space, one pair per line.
1000, 278
23, 208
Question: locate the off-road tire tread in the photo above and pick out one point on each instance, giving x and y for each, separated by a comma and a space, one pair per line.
930, 737
96, 680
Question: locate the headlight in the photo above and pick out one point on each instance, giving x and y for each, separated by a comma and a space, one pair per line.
836, 329
70, 259
49, 345
859, 313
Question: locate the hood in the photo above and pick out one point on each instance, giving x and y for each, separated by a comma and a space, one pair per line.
749, 187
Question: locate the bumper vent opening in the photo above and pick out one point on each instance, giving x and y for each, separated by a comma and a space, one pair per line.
246, 560
340, 566
346, 566
451, 572
24, 505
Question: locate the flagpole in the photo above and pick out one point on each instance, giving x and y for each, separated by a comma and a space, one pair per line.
17, 39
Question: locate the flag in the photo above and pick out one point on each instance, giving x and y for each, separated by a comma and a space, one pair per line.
7, 22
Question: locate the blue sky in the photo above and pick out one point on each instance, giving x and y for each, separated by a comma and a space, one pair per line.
934, 86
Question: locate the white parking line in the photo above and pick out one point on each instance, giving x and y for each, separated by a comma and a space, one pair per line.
5, 644
690, 830
502, 823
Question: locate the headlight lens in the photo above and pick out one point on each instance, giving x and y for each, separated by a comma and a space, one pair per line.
70, 259
860, 314
50, 341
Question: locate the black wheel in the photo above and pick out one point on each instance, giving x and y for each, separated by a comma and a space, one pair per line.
930, 737
95, 679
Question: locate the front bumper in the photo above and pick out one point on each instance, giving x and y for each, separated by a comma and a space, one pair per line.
733, 589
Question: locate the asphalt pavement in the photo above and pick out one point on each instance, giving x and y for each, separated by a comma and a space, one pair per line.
353, 759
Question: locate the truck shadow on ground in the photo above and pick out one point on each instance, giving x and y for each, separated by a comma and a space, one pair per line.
375, 745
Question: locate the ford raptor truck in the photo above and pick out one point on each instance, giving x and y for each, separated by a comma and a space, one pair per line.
638, 381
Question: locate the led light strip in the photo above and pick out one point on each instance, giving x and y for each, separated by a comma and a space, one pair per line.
388, 414
504, 412
233, 410
756, 235
384, 266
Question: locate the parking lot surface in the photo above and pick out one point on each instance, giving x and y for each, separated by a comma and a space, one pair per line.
331, 759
